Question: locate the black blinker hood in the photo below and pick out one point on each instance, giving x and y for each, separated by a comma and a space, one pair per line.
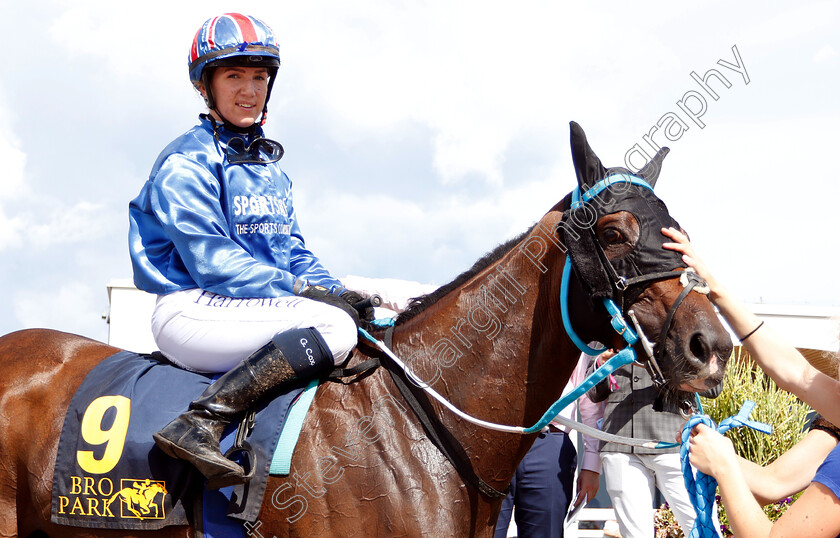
578, 224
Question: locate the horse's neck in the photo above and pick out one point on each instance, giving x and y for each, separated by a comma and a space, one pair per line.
495, 346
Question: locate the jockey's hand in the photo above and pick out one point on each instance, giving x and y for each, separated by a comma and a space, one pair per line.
322, 294
353, 298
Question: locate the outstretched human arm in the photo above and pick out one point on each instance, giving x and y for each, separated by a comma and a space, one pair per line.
791, 472
815, 513
781, 361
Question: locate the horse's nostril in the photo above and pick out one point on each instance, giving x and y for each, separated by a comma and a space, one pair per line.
697, 347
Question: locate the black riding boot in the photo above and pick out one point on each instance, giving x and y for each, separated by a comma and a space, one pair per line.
194, 436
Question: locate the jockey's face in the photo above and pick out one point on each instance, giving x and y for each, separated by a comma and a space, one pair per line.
239, 94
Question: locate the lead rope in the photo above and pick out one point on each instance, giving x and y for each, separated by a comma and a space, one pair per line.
701, 490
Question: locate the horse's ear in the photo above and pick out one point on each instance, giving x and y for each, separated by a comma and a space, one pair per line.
650, 171
588, 166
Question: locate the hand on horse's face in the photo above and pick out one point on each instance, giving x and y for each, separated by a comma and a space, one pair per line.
696, 356
682, 245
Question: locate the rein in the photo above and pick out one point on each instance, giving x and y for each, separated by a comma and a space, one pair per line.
457, 458
617, 320
626, 356
623, 358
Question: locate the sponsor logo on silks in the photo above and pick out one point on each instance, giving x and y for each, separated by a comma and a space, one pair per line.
259, 205
136, 498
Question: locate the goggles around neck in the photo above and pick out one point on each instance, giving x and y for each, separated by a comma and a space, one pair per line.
261, 150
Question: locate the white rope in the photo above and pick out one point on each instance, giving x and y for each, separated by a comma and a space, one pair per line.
425, 386
609, 437
588, 430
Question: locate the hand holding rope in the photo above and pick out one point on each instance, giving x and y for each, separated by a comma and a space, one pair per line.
701, 490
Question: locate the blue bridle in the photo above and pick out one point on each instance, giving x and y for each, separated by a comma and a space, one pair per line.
619, 324
621, 284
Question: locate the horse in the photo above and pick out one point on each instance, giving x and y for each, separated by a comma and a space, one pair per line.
491, 342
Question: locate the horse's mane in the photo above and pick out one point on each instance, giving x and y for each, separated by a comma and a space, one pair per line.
419, 304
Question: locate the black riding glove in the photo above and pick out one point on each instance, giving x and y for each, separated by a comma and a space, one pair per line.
354, 298
322, 294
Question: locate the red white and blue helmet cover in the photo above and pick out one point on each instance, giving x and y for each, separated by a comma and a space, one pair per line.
229, 36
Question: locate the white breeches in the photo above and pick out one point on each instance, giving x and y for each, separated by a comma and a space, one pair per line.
630, 479
202, 331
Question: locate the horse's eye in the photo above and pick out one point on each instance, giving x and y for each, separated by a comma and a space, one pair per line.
611, 236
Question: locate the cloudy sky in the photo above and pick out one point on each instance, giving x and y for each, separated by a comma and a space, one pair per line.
420, 134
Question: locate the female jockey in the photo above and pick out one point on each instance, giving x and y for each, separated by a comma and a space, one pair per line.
214, 235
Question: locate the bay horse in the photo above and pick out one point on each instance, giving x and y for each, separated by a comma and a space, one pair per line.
491, 342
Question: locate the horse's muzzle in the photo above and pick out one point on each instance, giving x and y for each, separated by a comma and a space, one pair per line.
705, 354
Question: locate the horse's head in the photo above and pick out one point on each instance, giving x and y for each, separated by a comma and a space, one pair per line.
613, 236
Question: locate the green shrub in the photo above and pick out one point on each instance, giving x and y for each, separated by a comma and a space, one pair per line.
788, 416
774, 406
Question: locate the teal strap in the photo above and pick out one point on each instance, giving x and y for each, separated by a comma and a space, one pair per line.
624, 357
742, 419
619, 324
383, 322
605, 184
281, 462
564, 312
617, 319
564, 297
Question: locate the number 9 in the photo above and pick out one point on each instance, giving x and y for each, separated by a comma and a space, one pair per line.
114, 436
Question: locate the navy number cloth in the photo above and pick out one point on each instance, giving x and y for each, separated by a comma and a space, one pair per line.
110, 474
